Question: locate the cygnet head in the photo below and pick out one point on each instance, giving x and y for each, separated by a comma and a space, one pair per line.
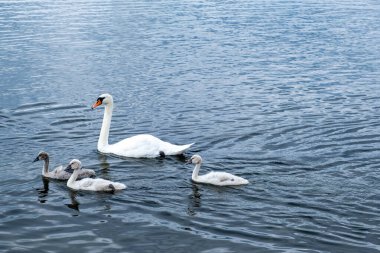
103, 99
42, 156
196, 159
75, 164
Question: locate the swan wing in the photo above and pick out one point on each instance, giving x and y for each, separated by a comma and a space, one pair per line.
85, 183
222, 179
86, 173
145, 145
98, 184
142, 145
59, 173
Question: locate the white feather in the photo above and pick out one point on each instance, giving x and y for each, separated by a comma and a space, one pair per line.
143, 145
59, 172
214, 178
91, 184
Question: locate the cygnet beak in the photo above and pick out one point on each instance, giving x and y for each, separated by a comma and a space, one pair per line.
37, 158
189, 161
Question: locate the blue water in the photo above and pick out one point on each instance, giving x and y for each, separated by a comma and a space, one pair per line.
284, 93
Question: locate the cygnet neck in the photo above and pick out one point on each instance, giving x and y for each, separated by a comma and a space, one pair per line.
73, 177
194, 176
45, 167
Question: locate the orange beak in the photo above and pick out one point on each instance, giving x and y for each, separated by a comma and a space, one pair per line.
97, 103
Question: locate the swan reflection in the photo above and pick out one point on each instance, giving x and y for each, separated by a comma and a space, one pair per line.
74, 203
103, 162
43, 192
194, 200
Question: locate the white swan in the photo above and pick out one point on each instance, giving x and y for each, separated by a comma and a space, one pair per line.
142, 145
59, 172
90, 184
214, 178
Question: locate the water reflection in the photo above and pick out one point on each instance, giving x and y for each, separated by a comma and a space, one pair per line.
194, 200
296, 91
181, 158
74, 203
103, 161
43, 192
104, 165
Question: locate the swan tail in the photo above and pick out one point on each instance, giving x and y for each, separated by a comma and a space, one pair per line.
178, 149
118, 186
112, 188
241, 181
244, 181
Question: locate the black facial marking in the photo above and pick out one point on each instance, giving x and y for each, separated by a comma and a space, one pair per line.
112, 188
101, 99
69, 169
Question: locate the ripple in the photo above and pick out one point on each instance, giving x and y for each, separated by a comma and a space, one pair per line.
33, 110
283, 93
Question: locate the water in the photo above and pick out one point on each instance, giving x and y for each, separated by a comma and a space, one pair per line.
283, 93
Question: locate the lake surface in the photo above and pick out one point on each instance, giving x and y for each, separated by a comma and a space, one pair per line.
283, 93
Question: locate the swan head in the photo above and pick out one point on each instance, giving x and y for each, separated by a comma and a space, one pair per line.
42, 156
196, 159
103, 99
75, 164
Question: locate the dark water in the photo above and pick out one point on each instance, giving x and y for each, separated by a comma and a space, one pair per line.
283, 93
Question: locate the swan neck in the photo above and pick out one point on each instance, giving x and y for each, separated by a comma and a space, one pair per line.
196, 171
73, 178
104, 132
45, 168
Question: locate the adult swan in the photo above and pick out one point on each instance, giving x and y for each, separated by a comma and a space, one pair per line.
142, 145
